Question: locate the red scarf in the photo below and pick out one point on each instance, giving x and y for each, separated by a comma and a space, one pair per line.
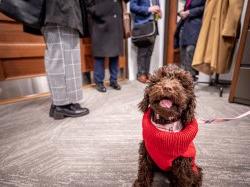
188, 3
164, 147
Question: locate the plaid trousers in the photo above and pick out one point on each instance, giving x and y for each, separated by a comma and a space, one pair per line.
63, 64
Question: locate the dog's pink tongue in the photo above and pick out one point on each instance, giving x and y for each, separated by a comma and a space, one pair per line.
165, 103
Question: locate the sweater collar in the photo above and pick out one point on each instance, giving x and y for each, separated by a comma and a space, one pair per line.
170, 127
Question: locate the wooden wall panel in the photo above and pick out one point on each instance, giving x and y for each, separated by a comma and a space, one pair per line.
2, 75
240, 54
21, 51
171, 54
10, 27
18, 37
5, 18
21, 54
23, 67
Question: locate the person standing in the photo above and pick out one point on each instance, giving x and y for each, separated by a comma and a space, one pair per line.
187, 33
143, 12
106, 31
63, 22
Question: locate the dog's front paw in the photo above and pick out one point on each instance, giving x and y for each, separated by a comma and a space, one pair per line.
160, 180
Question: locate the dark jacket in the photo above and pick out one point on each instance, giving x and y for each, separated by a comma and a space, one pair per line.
191, 25
139, 10
106, 27
69, 13
65, 13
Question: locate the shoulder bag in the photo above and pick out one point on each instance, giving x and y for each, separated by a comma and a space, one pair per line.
126, 21
144, 34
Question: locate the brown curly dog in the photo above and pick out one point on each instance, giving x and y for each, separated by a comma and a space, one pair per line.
167, 152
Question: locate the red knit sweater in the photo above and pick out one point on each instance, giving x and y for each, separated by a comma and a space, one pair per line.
164, 147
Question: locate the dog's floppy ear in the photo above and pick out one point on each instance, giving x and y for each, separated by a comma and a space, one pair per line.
189, 112
144, 104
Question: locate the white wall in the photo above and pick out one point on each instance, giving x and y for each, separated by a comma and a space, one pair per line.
157, 57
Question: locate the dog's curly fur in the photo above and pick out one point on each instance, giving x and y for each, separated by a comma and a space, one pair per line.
176, 84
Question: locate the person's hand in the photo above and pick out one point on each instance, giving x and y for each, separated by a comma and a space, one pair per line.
184, 14
159, 14
155, 9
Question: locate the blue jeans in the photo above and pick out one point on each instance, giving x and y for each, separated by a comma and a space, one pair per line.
99, 68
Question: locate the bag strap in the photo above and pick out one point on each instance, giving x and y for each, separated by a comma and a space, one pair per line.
124, 7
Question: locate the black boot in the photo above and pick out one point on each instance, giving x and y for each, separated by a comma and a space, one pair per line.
100, 87
115, 85
71, 110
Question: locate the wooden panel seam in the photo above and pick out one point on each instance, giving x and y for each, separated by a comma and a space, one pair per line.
240, 54
2, 73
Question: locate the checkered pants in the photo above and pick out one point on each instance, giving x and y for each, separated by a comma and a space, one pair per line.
63, 64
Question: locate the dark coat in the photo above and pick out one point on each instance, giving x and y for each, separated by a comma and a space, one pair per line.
191, 25
65, 13
69, 13
106, 27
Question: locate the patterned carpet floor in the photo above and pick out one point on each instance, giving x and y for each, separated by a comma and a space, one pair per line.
101, 149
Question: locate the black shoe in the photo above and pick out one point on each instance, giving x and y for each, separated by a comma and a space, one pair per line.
77, 106
52, 109
71, 110
115, 85
100, 87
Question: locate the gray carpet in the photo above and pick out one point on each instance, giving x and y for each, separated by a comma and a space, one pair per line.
101, 148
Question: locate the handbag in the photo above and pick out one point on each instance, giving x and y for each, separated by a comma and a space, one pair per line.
28, 12
126, 21
144, 34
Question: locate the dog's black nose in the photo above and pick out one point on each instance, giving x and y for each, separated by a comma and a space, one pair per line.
167, 89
